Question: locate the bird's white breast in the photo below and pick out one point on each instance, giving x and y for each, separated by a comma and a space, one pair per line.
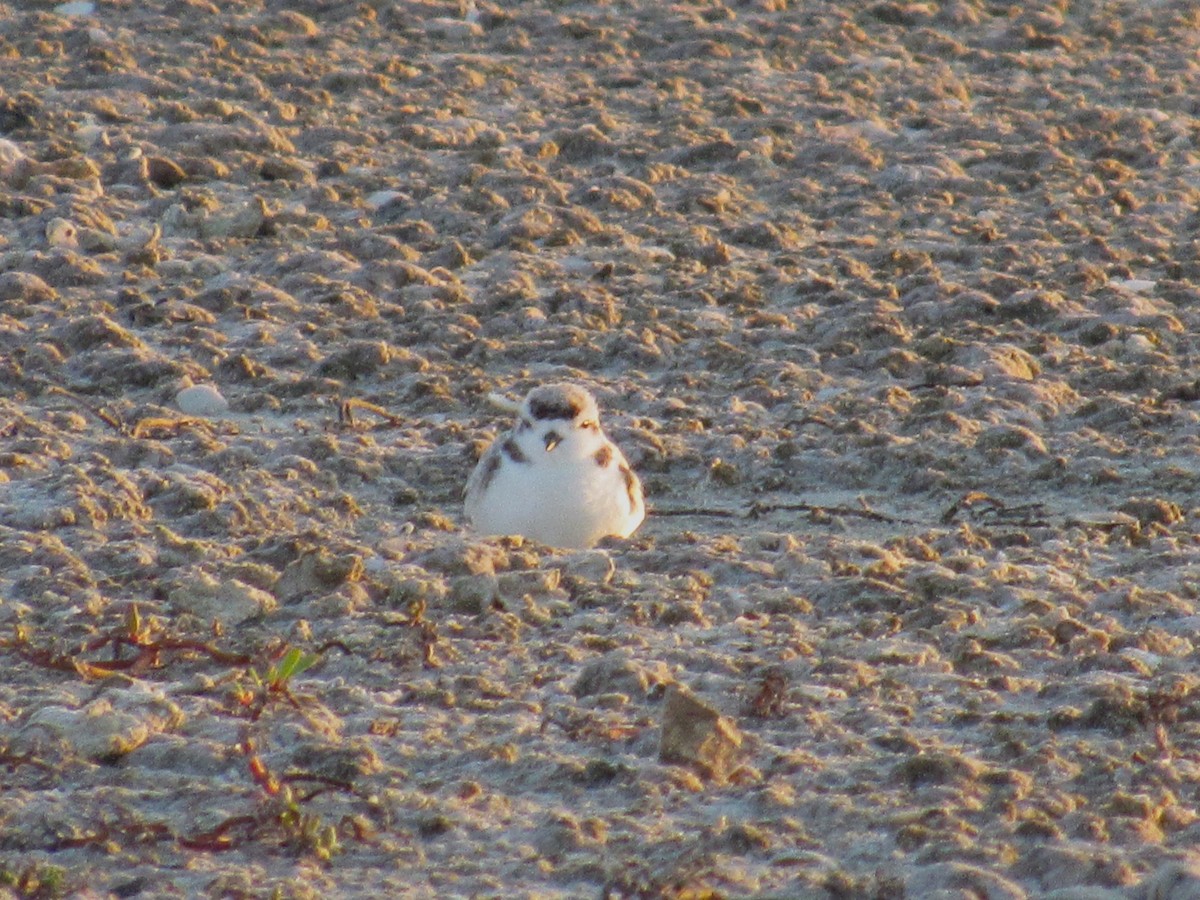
563, 497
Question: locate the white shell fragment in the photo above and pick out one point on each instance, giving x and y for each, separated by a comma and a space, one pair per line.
201, 400
76, 8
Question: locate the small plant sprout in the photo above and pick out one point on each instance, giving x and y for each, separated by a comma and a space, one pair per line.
293, 663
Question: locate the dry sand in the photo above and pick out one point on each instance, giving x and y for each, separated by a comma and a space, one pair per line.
895, 307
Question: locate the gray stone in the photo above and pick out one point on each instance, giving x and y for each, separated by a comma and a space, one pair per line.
696, 734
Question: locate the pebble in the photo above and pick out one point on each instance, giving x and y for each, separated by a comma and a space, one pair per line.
24, 287
76, 8
589, 566
164, 172
61, 233
696, 734
220, 600
473, 594
958, 879
380, 199
11, 158
112, 725
201, 400
615, 672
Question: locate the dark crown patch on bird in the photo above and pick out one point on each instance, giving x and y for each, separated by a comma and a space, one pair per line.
554, 408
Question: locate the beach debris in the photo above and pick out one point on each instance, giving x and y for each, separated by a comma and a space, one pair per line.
696, 734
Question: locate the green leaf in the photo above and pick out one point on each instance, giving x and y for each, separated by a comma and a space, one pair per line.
294, 662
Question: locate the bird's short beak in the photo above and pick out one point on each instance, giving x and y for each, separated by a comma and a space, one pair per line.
552, 440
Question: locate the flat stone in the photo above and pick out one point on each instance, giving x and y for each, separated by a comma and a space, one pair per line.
113, 724
227, 600
201, 400
696, 734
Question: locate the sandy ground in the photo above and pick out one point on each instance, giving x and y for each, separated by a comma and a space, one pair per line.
894, 306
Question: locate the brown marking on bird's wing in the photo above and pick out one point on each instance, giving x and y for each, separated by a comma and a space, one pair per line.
491, 466
632, 486
513, 451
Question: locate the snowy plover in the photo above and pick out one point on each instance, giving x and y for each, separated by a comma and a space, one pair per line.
555, 477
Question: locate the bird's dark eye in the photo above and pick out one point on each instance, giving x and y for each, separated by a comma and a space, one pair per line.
588, 423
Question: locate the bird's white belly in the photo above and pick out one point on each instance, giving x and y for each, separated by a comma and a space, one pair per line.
572, 503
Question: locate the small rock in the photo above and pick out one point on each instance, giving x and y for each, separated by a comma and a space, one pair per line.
706, 153
61, 233
464, 558
382, 198
1135, 285
230, 601
473, 594
1149, 510
742, 838
587, 142
164, 173
449, 256
1011, 437
452, 30
1175, 880
25, 287
245, 222
201, 400
590, 566
409, 584
356, 360
694, 733
286, 169
614, 672
318, 571
291, 24
43, 357
93, 333
139, 239
936, 768
76, 8
960, 879
1007, 361
114, 724
19, 112
11, 158
534, 582
93, 240
75, 168
563, 833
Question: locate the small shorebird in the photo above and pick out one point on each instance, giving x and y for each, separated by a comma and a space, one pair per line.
555, 477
